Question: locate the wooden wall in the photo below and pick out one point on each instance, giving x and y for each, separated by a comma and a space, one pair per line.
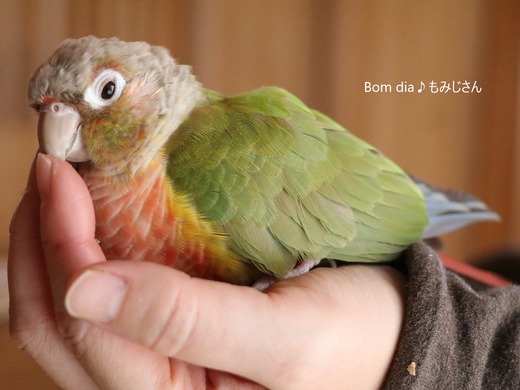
324, 51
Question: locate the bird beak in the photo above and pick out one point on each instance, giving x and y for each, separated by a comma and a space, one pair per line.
59, 132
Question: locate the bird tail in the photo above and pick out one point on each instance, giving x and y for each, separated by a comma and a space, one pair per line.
450, 210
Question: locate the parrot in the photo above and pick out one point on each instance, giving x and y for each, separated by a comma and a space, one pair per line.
239, 189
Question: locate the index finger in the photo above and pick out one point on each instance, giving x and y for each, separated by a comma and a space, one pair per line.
67, 223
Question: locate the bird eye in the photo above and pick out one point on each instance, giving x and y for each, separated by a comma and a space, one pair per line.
105, 89
108, 90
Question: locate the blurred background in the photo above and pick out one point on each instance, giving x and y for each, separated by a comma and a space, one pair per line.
325, 52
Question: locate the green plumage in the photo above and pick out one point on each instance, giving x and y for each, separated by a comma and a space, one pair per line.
287, 183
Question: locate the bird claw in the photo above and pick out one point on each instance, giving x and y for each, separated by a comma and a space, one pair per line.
301, 268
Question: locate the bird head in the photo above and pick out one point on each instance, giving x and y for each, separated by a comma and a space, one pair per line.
110, 102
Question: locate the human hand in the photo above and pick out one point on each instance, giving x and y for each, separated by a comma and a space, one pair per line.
90, 323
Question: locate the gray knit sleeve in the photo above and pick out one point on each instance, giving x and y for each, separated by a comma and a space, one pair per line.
455, 336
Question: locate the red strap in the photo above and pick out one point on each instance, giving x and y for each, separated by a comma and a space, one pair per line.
474, 273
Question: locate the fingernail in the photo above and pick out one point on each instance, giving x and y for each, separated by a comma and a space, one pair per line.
96, 296
43, 174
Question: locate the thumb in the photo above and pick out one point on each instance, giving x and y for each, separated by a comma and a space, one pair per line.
206, 323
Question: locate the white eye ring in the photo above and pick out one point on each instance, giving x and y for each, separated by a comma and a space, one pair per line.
105, 89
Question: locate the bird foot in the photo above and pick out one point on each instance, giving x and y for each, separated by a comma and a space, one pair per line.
301, 268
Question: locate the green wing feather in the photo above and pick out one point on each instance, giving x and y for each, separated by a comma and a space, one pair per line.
287, 183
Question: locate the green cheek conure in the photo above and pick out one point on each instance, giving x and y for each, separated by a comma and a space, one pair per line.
236, 189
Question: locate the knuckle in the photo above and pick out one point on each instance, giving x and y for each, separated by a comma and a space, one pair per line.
175, 331
32, 339
40, 337
74, 333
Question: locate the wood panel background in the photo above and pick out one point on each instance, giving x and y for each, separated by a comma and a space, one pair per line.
323, 51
